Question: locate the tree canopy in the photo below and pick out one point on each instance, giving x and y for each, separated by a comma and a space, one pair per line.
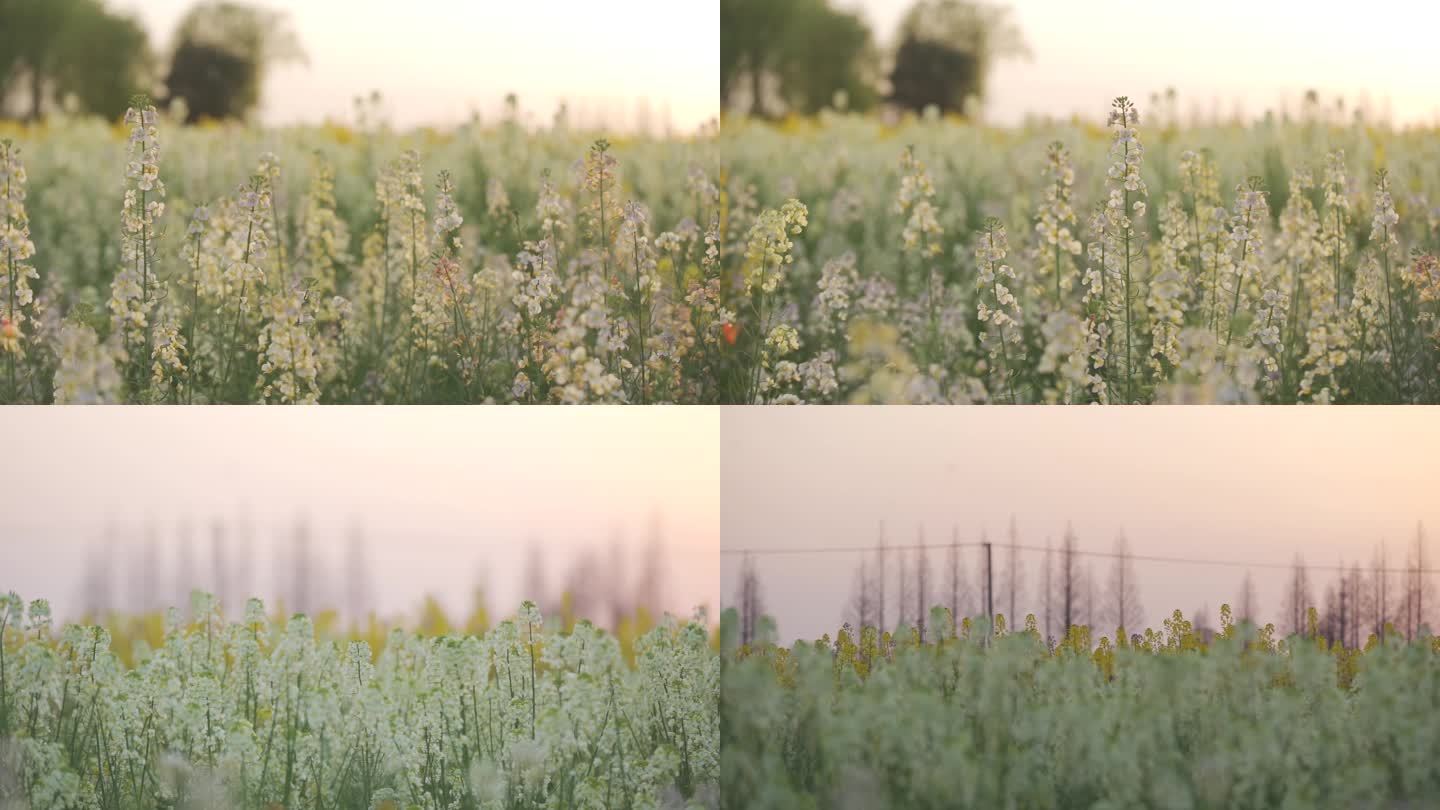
794, 55
55, 52
946, 50
51, 50
222, 51
799, 54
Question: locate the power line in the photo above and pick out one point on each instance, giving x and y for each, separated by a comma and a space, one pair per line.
843, 549
765, 552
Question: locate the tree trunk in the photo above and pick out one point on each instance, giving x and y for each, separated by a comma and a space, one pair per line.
37, 95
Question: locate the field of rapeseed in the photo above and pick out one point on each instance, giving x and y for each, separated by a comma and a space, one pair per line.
263, 714
929, 260
163, 263
1164, 719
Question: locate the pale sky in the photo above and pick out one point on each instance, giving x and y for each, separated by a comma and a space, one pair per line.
1216, 55
438, 493
435, 61
1247, 484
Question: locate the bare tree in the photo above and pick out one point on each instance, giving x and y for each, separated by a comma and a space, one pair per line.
357, 576
184, 568
1354, 585
922, 593
1049, 591
880, 598
1380, 589
585, 586
220, 566
243, 560
1332, 620
1013, 575
1070, 582
1298, 598
536, 589
1421, 578
904, 590
1200, 623
650, 585
617, 591
955, 583
861, 612
95, 596
986, 584
1247, 601
752, 602
145, 574
1123, 601
1087, 611
1416, 584
302, 591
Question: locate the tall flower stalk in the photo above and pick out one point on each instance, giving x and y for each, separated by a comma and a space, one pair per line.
1055, 222
767, 257
1118, 250
133, 293
16, 251
997, 308
1382, 236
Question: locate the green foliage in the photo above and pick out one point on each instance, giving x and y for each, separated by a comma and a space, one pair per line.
55, 49
481, 265
809, 49
264, 713
998, 720
946, 51
222, 52
1149, 270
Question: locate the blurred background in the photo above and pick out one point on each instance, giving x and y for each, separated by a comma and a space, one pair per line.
637, 65
1099, 517
443, 518
1009, 62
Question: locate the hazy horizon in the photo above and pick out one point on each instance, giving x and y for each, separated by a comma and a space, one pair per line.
438, 494
1085, 54
1254, 485
435, 64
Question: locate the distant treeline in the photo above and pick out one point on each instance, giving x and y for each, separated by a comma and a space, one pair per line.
896, 587
805, 55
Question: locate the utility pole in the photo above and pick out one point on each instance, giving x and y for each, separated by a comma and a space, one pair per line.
989, 594
1342, 635
880, 552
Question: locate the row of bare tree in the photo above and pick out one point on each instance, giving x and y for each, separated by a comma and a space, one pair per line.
895, 585
147, 574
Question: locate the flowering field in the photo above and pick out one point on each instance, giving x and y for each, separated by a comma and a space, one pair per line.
160, 263
931, 261
255, 714
1167, 719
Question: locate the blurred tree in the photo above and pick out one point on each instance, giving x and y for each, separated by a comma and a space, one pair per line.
794, 55
1014, 579
946, 50
51, 50
861, 611
922, 591
222, 50
928, 73
1298, 597
752, 603
1245, 611
1069, 581
956, 581
1122, 607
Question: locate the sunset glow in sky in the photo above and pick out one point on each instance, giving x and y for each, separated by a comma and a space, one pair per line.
1244, 484
439, 493
434, 61
1216, 55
